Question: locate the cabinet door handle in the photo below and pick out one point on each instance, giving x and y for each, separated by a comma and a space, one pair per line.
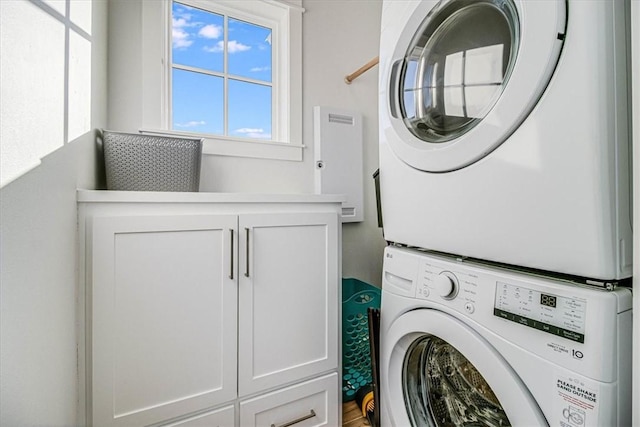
232, 250
246, 271
298, 420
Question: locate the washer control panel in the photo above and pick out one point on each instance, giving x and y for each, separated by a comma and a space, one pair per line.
553, 314
459, 289
452, 288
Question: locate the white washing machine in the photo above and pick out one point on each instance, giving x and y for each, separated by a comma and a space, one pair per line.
468, 344
504, 132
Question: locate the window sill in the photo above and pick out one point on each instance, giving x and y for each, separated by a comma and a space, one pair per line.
236, 147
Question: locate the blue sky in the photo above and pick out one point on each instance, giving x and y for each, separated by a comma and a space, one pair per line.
197, 98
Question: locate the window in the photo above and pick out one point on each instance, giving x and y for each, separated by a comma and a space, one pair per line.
45, 79
234, 76
221, 70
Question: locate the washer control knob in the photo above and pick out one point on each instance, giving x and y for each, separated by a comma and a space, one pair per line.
446, 285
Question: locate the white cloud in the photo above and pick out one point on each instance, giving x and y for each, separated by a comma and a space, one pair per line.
218, 47
232, 47
257, 69
180, 23
183, 20
192, 123
180, 38
184, 16
210, 31
253, 133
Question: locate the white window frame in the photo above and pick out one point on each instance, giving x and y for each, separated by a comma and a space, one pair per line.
285, 20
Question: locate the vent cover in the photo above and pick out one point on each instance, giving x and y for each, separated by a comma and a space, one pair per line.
339, 118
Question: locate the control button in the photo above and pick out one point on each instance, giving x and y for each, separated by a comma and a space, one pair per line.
469, 308
446, 285
423, 292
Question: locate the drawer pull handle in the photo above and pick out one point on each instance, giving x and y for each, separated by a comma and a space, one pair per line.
299, 420
231, 269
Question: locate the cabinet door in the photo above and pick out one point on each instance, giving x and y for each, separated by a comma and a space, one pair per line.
288, 302
162, 317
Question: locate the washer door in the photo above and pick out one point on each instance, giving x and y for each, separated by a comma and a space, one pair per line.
442, 373
464, 78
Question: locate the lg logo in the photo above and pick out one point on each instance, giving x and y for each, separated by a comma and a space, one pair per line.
577, 354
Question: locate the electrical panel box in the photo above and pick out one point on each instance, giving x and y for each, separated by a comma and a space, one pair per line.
337, 140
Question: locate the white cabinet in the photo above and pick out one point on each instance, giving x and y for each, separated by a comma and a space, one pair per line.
198, 308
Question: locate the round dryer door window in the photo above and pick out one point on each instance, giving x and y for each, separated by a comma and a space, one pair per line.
456, 68
439, 372
465, 74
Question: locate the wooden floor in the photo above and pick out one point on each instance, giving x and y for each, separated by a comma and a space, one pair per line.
352, 416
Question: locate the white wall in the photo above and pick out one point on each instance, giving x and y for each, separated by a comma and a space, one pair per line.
338, 38
38, 319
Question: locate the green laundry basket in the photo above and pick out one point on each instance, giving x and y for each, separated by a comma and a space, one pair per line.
357, 297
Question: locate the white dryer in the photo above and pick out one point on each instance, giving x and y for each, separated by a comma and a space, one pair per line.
504, 132
467, 344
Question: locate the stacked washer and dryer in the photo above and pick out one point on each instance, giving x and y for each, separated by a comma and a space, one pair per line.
505, 195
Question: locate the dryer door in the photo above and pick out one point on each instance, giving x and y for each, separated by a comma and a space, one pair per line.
464, 75
442, 373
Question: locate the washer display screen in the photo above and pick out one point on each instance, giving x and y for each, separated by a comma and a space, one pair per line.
548, 300
553, 314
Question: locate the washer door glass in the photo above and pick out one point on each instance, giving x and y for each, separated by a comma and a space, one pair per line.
442, 388
457, 66
438, 371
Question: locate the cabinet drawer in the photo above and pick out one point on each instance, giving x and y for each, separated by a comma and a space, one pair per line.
312, 403
223, 417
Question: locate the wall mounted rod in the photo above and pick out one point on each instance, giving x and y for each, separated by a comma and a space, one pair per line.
351, 77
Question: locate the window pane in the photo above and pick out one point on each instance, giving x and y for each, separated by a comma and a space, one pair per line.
197, 102
249, 110
197, 38
249, 49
